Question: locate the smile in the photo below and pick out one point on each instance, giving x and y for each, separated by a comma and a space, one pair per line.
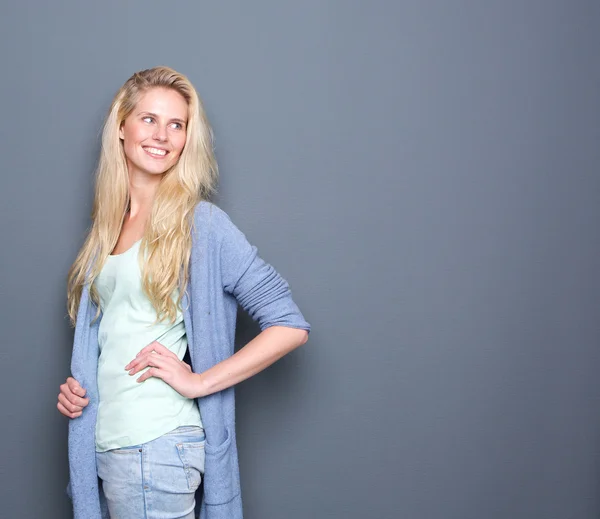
155, 152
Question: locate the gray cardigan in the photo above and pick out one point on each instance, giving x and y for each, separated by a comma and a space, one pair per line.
224, 270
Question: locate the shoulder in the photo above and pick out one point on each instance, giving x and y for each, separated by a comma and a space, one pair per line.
206, 212
209, 215
213, 221
217, 234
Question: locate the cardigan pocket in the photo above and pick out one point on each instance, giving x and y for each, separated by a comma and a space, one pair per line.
220, 469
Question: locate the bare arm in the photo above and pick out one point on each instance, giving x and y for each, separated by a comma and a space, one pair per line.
262, 351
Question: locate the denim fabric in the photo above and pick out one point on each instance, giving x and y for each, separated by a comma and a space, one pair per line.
156, 479
225, 269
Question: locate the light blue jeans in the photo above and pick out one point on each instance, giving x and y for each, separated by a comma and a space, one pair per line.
154, 480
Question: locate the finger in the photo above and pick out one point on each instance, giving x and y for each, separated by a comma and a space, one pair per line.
75, 387
158, 348
67, 413
73, 397
152, 348
137, 360
152, 372
150, 360
65, 389
76, 400
71, 407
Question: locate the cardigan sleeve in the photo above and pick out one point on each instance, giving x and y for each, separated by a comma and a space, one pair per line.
256, 285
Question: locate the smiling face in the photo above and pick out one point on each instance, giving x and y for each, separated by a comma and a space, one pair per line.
154, 133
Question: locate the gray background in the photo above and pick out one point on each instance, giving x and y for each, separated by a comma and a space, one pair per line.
423, 173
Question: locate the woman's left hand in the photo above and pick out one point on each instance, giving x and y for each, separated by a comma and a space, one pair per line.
164, 364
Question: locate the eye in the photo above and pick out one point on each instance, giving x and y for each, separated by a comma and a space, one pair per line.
147, 118
177, 126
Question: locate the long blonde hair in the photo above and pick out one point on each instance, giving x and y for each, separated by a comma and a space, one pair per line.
167, 239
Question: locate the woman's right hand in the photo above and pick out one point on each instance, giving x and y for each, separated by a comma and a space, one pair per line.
71, 399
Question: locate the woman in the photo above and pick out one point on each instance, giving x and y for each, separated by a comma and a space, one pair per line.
161, 273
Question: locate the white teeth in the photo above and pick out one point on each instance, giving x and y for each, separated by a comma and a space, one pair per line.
156, 151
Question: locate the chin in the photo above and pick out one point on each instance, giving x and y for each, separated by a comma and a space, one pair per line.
158, 170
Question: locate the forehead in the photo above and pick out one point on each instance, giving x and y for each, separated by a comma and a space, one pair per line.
163, 102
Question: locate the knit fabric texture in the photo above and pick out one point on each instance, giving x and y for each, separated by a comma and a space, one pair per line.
225, 270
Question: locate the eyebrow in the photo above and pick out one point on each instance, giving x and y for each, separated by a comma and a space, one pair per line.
176, 119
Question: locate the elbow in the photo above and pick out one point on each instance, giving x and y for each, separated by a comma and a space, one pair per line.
287, 337
303, 337
294, 337
298, 337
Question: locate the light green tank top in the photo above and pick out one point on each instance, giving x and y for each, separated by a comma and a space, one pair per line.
130, 412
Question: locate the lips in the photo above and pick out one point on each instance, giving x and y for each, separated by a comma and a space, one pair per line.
157, 153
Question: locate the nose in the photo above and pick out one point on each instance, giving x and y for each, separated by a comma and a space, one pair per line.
160, 134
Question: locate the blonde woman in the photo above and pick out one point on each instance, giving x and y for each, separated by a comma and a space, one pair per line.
160, 274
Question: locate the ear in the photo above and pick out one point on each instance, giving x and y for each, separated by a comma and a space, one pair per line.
121, 136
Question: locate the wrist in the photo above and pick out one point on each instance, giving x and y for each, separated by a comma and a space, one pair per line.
200, 388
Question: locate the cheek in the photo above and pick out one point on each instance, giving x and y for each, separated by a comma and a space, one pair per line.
129, 147
130, 138
179, 144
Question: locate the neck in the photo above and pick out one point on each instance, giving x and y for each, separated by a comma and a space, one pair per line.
142, 189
